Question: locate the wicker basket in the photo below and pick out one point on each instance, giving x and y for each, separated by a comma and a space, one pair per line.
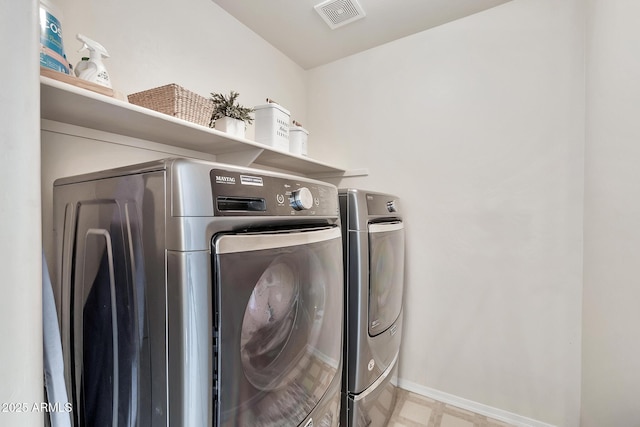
175, 101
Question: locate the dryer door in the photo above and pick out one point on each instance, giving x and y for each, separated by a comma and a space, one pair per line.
278, 324
386, 274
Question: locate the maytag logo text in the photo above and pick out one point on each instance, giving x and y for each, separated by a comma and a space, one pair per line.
225, 179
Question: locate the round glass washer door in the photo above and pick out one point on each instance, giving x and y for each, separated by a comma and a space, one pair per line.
280, 324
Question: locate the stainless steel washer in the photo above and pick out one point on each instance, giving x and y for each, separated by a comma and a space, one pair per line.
199, 294
373, 237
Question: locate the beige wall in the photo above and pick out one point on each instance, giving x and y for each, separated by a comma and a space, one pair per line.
478, 127
611, 316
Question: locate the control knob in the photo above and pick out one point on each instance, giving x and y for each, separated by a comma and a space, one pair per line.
301, 199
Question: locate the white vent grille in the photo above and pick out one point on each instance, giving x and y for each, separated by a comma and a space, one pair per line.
337, 13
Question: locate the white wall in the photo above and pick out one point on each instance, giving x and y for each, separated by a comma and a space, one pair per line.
478, 127
611, 314
20, 244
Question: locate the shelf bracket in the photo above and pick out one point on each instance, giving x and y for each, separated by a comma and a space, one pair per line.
346, 174
240, 158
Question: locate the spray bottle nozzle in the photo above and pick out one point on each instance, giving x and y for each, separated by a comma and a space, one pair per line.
92, 46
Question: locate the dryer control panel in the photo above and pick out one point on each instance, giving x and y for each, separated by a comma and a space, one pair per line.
382, 204
237, 193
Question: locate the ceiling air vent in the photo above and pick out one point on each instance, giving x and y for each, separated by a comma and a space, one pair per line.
337, 13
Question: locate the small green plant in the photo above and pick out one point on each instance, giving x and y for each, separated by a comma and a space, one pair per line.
226, 106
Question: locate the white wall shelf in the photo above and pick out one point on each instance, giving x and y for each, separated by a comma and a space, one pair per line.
65, 103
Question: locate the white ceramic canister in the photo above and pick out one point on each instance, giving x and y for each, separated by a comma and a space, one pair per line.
272, 125
298, 140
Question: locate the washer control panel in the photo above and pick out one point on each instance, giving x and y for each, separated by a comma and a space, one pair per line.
236, 193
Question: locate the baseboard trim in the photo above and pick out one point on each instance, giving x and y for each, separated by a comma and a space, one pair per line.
470, 405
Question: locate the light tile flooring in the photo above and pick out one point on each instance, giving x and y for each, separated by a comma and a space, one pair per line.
413, 410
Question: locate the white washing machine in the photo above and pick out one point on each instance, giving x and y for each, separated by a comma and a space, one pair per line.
199, 294
373, 237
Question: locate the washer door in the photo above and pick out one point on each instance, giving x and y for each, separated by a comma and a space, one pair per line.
386, 274
278, 299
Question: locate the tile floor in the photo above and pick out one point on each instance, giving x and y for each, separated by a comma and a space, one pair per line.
413, 410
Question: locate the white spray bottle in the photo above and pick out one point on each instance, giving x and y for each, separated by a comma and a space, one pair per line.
93, 70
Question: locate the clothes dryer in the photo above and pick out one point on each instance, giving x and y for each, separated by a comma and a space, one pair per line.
199, 294
373, 238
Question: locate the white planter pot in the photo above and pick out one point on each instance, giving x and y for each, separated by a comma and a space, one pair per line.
231, 126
